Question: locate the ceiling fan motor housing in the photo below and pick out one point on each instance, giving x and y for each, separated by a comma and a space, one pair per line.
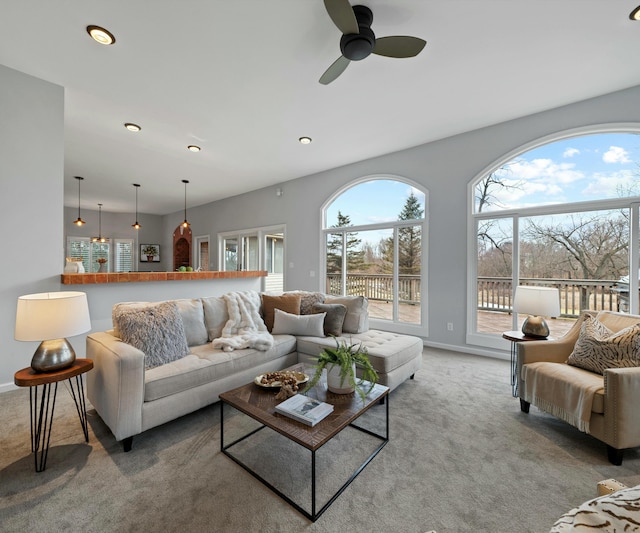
357, 46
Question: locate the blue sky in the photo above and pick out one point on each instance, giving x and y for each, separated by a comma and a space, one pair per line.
590, 167
372, 202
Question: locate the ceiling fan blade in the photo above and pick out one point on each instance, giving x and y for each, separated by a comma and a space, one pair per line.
342, 15
399, 46
336, 68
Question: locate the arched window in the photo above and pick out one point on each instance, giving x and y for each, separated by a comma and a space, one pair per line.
373, 233
562, 213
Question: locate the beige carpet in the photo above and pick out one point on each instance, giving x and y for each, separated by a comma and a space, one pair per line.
462, 458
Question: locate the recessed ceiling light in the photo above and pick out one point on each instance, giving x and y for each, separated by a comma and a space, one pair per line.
100, 35
193, 148
305, 140
131, 126
635, 14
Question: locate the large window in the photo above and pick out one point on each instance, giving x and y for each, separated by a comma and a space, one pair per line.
563, 214
373, 235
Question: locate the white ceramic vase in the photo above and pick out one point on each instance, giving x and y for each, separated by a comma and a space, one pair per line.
335, 383
73, 267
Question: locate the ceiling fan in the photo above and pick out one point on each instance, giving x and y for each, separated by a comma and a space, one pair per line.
358, 41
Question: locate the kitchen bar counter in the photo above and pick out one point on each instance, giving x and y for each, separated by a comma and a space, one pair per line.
138, 277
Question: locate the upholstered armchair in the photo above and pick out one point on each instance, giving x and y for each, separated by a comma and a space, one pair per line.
605, 405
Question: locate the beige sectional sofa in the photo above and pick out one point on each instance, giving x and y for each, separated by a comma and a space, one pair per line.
131, 397
590, 378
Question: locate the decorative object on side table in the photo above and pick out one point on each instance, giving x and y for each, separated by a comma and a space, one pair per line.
537, 302
102, 261
49, 317
341, 363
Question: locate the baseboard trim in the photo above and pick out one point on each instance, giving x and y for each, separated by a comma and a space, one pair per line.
494, 354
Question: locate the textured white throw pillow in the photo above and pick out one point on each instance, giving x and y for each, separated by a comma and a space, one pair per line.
155, 329
289, 324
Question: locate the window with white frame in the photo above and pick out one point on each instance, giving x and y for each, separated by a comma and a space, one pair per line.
373, 246
560, 213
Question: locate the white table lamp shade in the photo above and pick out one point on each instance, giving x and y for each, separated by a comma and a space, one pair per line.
537, 301
51, 315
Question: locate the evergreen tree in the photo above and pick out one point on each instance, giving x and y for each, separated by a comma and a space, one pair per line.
355, 254
409, 240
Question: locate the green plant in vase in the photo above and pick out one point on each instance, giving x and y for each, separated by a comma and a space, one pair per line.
346, 357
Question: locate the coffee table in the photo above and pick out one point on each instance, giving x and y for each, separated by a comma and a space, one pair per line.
259, 403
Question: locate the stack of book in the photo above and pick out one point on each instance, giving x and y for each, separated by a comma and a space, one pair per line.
307, 410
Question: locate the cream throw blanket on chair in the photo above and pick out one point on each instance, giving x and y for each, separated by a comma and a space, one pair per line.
562, 390
245, 327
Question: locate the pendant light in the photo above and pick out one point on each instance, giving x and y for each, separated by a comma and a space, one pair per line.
136, 225
185, 224
79, 221
99, 238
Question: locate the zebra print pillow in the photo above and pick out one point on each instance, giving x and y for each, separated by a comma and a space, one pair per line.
618, 511
598, 348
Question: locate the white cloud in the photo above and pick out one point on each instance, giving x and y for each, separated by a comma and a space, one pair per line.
616, 154
612, 185
570, 152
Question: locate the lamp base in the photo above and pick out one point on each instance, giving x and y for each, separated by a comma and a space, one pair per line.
53, 355
536, 327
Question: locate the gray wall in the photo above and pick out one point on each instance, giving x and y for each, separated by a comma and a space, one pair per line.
31, 172
32, 110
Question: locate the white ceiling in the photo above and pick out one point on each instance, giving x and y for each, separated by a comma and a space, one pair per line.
240, 79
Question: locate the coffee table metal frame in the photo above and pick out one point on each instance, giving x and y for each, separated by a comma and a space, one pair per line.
299, 432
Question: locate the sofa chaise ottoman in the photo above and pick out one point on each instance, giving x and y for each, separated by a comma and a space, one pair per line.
175, 361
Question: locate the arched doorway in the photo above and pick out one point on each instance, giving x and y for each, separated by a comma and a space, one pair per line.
181, 247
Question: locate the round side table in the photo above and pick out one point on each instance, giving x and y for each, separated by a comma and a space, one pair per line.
42, 415
515, 337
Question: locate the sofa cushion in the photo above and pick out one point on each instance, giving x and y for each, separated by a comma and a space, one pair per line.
206, 364
155, 329
387, 351
598, 348
215, 316
307, 300
192, 314
334, 318
290, 303
290, 324
357, 317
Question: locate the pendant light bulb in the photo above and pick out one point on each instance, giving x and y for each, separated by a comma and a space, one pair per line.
79, 221
136, 225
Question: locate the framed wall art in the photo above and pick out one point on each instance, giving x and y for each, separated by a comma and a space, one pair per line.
149, 253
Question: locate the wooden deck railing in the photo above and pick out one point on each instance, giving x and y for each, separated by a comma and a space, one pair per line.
494, 294
377, 287
576, 295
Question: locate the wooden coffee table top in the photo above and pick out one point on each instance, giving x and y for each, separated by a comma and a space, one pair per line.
259, 403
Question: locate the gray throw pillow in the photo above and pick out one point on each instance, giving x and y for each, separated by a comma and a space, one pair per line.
334, 318
357, 319
156, 329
